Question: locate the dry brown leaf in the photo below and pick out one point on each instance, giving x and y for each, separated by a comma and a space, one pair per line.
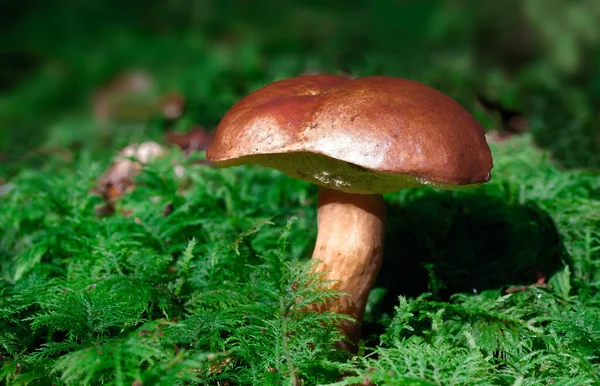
173, 105
118, 179
197, 138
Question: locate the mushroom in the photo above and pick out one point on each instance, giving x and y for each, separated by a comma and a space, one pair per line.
356, 139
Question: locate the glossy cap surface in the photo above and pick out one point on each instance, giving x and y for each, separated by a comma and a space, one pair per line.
365, 135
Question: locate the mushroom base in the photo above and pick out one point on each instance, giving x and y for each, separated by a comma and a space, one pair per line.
349, 251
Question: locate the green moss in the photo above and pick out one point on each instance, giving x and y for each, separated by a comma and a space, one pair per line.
212, 290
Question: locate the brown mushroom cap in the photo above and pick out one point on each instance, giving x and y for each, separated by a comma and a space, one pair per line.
367, 135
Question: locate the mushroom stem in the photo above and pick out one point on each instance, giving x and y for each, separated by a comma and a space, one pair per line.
349, 250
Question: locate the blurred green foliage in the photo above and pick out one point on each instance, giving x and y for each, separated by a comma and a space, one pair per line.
537, 57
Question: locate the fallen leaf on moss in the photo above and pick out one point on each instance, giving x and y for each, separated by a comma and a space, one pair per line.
118, 179
197, 138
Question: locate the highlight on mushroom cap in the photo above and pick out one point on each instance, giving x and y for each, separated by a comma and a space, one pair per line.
364, 135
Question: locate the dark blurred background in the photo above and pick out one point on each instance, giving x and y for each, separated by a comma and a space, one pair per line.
95, 75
